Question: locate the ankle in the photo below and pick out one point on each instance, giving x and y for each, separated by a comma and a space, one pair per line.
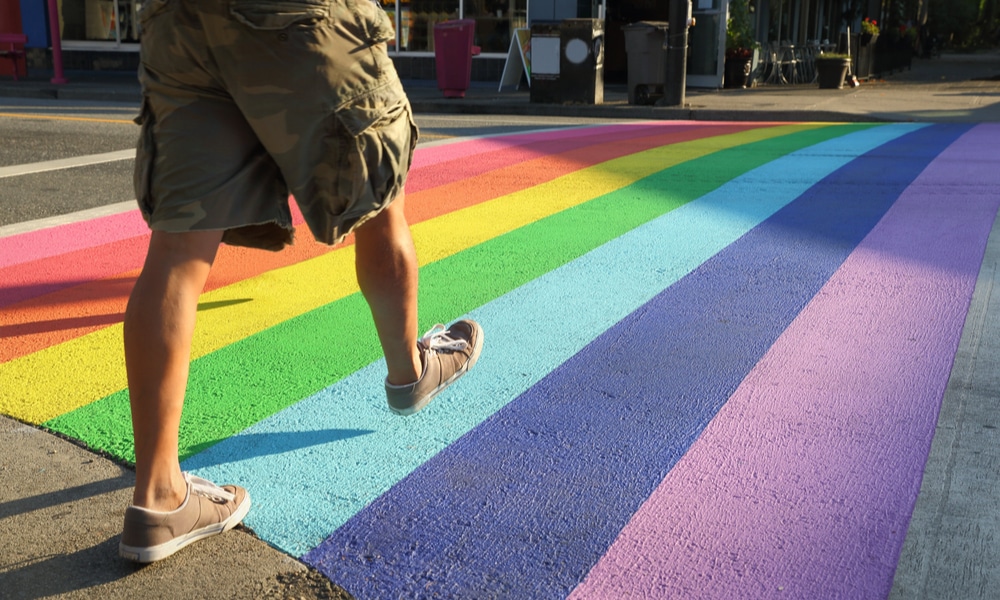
163, 498
407, 372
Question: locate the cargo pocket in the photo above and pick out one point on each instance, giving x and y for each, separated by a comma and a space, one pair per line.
270, 16
145, 155
374, 20
372, 151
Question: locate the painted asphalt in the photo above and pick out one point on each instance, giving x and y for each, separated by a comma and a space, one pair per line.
716, 353
714, 357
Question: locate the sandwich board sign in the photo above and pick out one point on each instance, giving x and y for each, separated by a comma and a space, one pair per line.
518, 60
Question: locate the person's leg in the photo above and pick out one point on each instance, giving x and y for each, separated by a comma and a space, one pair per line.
159, 324
387, 270
386, 264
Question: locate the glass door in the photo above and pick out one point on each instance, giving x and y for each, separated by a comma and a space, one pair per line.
707, 43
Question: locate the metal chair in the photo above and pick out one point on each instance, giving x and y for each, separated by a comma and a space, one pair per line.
789, 59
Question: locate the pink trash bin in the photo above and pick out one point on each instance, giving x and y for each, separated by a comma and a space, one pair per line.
453, 52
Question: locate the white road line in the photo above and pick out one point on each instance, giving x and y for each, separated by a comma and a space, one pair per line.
65, 163
83, 215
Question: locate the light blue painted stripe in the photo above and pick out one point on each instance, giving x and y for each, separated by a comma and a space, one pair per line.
358, 450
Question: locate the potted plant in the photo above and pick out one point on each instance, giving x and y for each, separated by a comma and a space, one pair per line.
831, 70
869, 31
740, 45
864, 64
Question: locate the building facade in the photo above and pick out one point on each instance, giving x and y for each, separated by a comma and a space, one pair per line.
105, 34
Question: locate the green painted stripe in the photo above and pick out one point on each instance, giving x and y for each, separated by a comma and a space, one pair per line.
258, 376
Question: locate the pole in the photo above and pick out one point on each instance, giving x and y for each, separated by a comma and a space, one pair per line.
57, 65
676, 40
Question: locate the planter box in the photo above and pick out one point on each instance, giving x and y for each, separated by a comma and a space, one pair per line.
831, 72
737, 72
861, 47
865, 56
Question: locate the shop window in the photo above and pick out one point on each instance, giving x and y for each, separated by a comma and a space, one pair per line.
496, 21
99, 21
415, 19
116, 21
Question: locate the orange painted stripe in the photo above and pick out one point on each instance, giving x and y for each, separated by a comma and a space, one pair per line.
38, 323
23, 281
57, 317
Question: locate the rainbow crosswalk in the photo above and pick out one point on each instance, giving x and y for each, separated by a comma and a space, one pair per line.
714, 358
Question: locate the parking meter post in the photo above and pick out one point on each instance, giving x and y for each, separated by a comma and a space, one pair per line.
676, 39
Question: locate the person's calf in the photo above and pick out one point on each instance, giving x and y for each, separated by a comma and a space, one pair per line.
387, 272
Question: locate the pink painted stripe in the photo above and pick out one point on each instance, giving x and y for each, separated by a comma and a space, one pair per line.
49, 274
803, 485
448, 164
106, 254
37, 245
432, 167
427, 157
84, 235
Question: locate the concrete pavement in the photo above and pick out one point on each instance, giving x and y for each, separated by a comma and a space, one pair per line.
953, 87
60, 505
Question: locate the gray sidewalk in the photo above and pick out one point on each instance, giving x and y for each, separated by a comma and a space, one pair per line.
953, 87
61, 507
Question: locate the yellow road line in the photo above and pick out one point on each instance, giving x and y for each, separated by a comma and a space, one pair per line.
61, 118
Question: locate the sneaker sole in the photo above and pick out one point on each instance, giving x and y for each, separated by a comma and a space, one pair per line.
476, 350
154, 553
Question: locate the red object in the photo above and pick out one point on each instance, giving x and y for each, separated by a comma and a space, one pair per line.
10, 23
12, 48
57, 75
453, 52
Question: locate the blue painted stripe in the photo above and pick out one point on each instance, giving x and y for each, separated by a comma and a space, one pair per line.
528, 501
359, 450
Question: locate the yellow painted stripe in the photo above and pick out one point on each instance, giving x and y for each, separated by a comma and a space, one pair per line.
56, 380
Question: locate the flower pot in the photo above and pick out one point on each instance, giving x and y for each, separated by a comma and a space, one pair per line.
831, 72
865, 66
737, 72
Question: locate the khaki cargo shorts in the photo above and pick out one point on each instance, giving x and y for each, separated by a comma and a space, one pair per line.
246, 101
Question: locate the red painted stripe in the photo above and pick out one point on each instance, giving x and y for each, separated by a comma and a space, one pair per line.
465, 150
456, 162
432, 166
89, 305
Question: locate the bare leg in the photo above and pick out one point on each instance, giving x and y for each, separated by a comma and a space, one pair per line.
386, 264
159, 324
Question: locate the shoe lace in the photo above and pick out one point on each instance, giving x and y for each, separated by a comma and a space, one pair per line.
206, 488
437, 339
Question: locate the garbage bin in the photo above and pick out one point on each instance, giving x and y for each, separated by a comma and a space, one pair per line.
544, 85
581, 61
453, 52
567, 61
645, 47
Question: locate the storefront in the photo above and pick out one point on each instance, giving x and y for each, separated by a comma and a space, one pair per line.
99, 24
415, 20
104, 34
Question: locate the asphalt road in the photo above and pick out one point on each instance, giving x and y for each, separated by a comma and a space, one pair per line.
93, 143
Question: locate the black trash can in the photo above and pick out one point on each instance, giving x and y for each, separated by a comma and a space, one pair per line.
581, 61
645, 46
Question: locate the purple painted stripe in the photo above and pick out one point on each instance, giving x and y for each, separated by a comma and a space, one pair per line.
803, 485
527, 502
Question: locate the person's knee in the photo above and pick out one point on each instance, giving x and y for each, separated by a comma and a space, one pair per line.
387, 223
170, 249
